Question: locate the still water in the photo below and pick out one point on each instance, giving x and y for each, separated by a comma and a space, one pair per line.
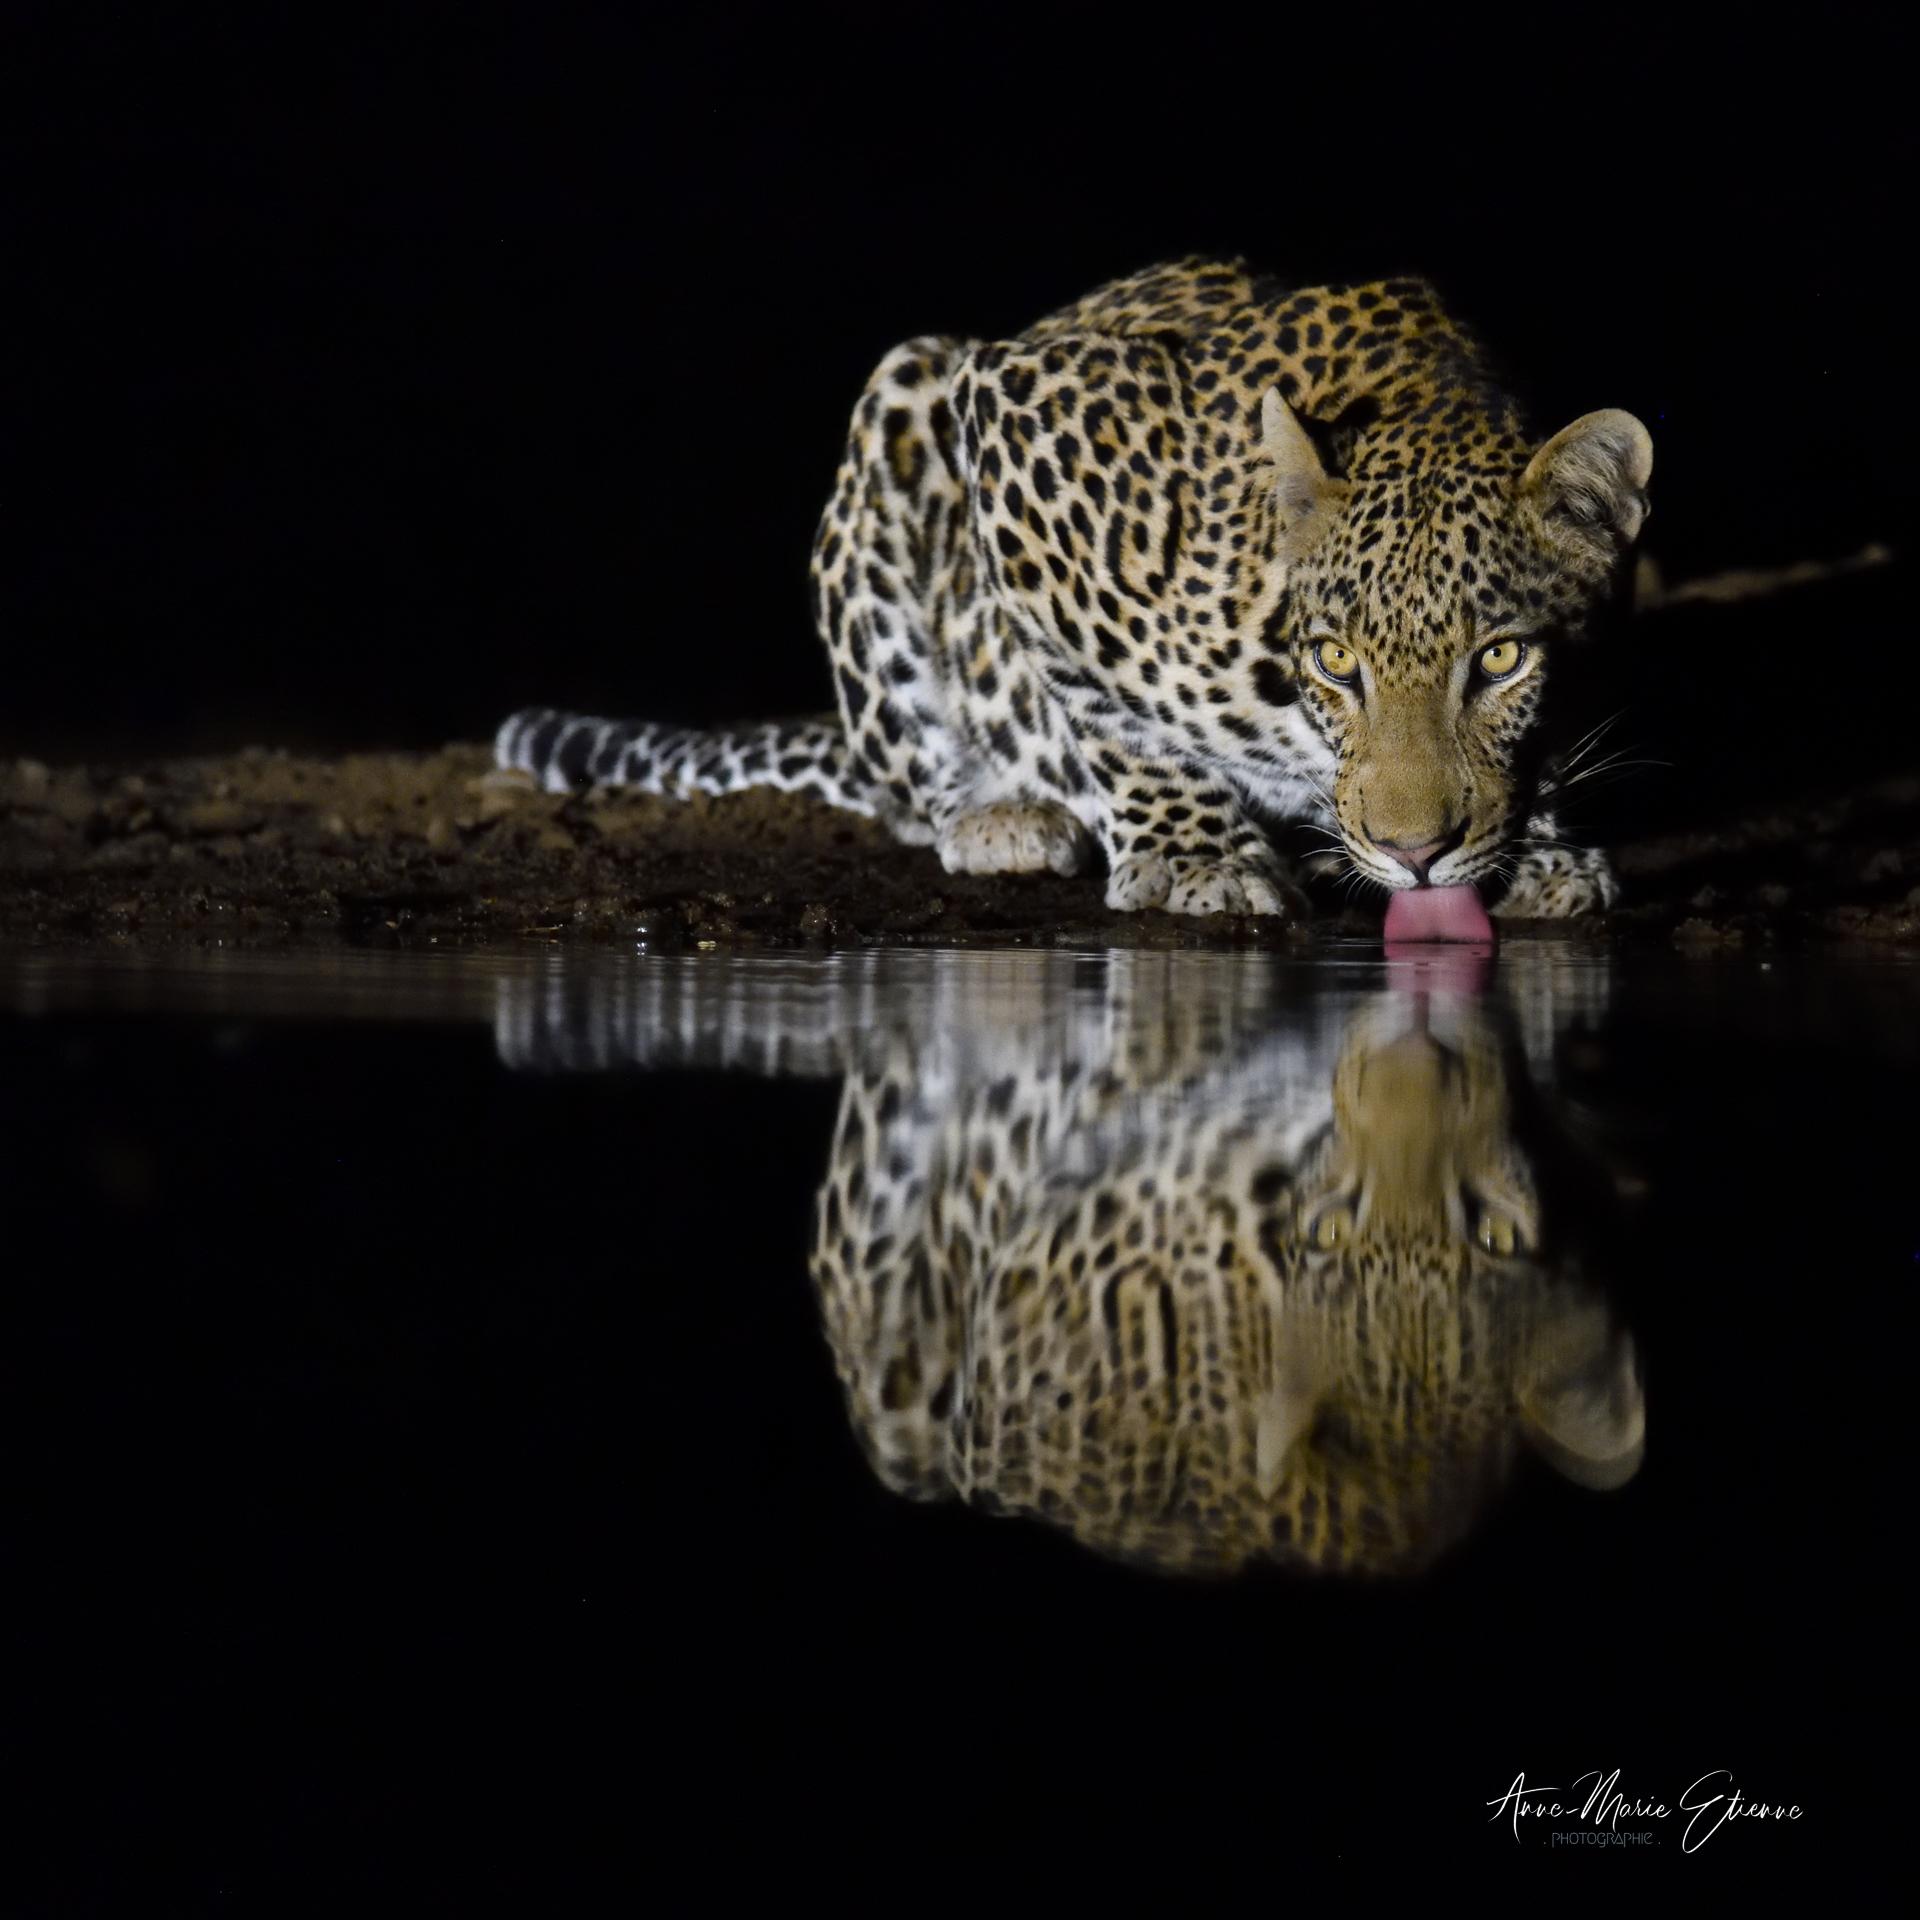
1257, 1402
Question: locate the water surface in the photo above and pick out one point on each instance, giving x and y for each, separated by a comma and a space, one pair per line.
1304, 1390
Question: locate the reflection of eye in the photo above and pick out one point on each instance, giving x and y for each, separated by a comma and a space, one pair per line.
1337, 662
1331, 1227
1501, 659
1496, 1233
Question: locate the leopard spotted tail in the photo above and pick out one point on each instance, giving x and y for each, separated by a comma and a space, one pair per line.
567, 750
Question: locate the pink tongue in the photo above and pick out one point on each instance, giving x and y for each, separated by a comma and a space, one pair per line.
1437, 913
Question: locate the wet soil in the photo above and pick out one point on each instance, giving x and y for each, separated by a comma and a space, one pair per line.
269, 849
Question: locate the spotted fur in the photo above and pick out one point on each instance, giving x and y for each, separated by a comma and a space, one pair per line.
1157, 1251
1257, 1313
1075, 588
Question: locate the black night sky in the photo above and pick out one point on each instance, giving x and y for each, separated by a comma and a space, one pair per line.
375, 377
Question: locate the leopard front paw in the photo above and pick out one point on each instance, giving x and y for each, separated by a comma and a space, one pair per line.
1015, 836
1559, 883
1202, 883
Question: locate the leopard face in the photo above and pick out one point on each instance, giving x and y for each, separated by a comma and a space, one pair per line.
1426, 602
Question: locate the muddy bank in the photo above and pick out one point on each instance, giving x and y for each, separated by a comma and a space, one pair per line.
266, 848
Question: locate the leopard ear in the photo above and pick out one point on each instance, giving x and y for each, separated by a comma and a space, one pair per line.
1587, 1414
1589, 482
1306, 495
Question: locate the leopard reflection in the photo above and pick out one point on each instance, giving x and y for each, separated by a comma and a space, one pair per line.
1202, 1277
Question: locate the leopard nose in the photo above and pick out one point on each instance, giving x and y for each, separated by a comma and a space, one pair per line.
1417, 859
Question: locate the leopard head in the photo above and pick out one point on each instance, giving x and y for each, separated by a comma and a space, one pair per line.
1428, 588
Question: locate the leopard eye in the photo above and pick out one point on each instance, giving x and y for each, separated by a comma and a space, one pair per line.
1502, 658
1337, 662
1496, 1233
1331, 1228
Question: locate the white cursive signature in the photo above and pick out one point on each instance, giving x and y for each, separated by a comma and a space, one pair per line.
1607, 1804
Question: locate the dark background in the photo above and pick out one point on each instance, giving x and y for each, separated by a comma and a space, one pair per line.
426, 1473
376, 376
376, 1490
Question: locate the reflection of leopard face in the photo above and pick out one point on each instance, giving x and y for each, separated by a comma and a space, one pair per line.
1231, 1317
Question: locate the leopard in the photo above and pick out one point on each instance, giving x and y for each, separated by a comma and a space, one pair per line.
1153, 1252
1195, 561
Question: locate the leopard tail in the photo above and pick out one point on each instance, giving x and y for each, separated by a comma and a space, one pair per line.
568, 750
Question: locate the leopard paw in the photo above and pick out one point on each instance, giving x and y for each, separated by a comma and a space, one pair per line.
1197, 883
1014, 836
1559, 883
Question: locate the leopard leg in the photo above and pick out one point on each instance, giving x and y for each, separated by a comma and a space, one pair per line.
893, 581
1178, 836
1017, 804
1554, 881
944, 714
